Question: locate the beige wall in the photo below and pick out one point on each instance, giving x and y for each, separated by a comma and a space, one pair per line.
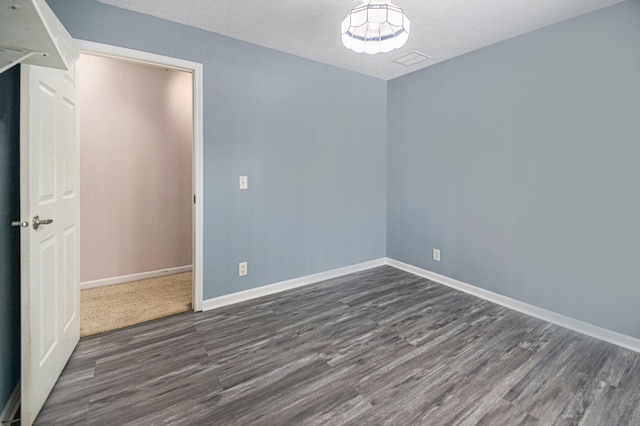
136, 189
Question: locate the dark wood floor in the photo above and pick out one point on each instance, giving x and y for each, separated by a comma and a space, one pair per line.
378, 347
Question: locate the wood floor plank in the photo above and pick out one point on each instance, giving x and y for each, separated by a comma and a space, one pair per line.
618, 405
504, 413
380, 346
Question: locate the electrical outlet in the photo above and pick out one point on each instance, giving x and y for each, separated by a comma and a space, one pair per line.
436, 255
242, 269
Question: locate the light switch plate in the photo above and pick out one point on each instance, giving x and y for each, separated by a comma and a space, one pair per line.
244, 182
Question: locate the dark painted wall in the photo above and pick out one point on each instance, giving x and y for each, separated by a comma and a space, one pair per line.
9, 237
520, 161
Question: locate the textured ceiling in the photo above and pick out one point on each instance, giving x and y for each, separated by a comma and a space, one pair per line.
441, 29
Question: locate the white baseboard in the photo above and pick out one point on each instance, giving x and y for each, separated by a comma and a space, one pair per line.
12, 405
241, 296
591, 330
582, 327
135, 277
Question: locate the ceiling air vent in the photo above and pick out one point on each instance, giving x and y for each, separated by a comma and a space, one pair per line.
411, 59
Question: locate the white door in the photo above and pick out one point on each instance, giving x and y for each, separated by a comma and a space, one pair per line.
50, 271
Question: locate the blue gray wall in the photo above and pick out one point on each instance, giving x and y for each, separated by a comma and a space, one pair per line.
9, 237
520, 162
308, 136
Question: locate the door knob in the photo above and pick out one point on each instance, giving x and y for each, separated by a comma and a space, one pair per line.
37, 222
23, 224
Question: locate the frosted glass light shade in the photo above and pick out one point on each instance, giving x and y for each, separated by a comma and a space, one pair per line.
374, 27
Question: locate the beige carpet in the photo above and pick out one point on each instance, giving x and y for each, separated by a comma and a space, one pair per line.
121, 305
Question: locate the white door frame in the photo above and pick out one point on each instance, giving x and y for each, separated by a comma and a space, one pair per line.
196, 68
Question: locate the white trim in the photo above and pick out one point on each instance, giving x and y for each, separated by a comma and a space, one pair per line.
198, 141
12, 405
198, 187
132, 55
591, 330
135, 277
266, 290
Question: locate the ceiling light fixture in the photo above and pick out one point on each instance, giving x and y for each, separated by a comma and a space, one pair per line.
375, 26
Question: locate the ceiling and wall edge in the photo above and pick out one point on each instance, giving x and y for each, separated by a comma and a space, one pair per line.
440, 29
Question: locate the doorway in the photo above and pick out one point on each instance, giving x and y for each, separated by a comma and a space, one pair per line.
141, 144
